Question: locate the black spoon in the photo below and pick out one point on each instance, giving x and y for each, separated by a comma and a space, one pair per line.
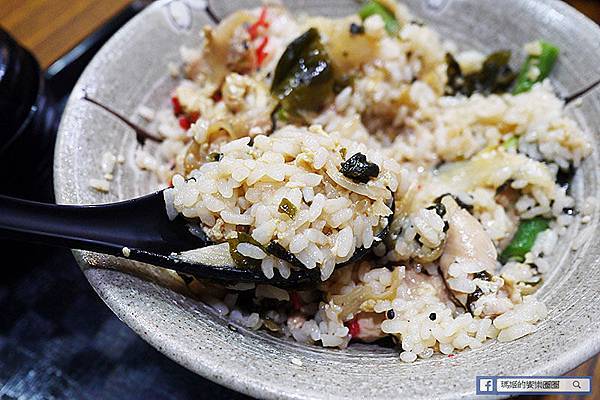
138, 229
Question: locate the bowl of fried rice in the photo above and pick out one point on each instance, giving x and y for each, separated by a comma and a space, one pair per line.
432, 164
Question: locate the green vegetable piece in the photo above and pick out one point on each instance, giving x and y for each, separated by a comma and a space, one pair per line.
495, 76
282, 115
278, 115
303, 78
359, 169
213, 157
239, 259
544, 62
373, 7
286, 207
343, 152
524, 239
277, 250
511, 143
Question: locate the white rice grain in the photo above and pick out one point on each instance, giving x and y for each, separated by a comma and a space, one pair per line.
250, 250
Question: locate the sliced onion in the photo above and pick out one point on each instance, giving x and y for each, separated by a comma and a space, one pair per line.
169, 196
217, 255
352, 302
366, 190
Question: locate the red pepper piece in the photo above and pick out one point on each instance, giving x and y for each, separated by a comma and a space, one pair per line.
262, 21
184, 123
193, 117
176, 105
261, 54
353, 327
217, 96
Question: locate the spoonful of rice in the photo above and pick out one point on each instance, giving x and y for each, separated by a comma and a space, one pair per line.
141, 229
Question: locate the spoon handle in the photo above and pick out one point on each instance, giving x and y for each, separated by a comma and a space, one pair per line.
139, 223
55, 225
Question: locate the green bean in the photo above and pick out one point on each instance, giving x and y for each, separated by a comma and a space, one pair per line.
544, 62
375, 8
524, 239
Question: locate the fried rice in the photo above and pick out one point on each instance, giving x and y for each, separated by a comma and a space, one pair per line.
249, 155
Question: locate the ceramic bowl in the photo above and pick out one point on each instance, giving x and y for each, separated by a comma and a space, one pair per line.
131, 69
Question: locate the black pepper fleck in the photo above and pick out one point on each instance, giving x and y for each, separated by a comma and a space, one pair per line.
432, 316
390, 314
356, 29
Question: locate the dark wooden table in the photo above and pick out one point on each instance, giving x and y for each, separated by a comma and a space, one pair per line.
51, 27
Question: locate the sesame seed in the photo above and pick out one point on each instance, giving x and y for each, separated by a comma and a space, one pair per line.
296, 361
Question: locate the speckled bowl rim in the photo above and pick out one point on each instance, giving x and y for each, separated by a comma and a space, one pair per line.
218, 373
